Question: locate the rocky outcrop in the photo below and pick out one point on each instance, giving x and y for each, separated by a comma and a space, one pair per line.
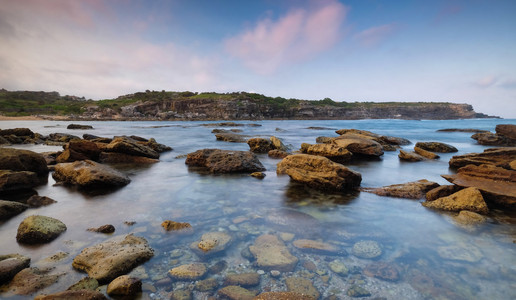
79, 126
272, 254
10, 265
10, 209
39, 229
389, 143
260, 145
500, 157
410, 190
436, 147
89, 174
112, 258
505, 136
467, 199
225, 161
319, 172
79, 150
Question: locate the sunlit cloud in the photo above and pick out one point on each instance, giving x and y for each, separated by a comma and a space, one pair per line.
375, 35
487, 81
297, 36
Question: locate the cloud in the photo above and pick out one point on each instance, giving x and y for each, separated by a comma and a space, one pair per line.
297, 36
509, 84
486, 81
375, 35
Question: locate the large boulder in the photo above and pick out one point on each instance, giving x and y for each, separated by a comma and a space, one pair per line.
22, 160
13, 180
319, 172
507, 130
498, 185
89, 174
436, 147
10, 265
79, 150
331, 151
10, 209
501, 157
39, 229
225, 161
467, 199
130, 146
112, 258
359, 145
272, 254
410, 190
278, 144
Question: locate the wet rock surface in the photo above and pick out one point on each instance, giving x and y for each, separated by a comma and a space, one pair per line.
213, 242
357, 144
39, 229
302, 286
367, 249
410, 190
272, 254
30, 280
22, 160
283, 296
335, 153
382, 270
500, 157
225, 161
436, 147
89, 174
191, 271
243, 279
124, 286
233, 292
10, 209
75, 295
317, 247
10, 265
38, 201
17, 180
467, 199
130, 146
410, 156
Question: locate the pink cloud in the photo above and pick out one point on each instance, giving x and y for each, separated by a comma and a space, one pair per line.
486, 81
375, 35
297, 36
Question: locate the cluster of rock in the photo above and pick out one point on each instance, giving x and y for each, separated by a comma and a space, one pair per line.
505, 135
426, 150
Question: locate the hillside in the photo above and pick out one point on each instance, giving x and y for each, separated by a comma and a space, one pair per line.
155, 105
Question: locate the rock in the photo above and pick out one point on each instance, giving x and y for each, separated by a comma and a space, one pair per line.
441, 191
357, 291
230, 137
121, 158
181, 294
512, 165
367, 249
425, 153
359, 145
507, 130
277, 154
283, 296
382, 139
319, 172
218, 267
108, 228
17, 180
338, 267
410, 190
183, 228
39, 229
500, 157
10, 265
243, 279
79, 150
213, 242
187, 272
497, 185
10, 209
468, 218
278, 144
492, 139
124, 286
78, 126
112, 258
293, 221
23, 160
38, 201
259, 175
233, 292
302, 286
461, 130
260, 145
467, 199
61, 138
382, 270
272, 254
160, 148
74, 294
50, 157
324, 140
460, 252
436, 147
317, 247
410, 156
206, 285
335, 153
130, 146
225, 161
31, 280
87, 283
89, 174
17, 132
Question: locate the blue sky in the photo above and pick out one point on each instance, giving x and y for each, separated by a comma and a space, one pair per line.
363, 50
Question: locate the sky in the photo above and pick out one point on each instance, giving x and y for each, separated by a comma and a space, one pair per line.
356, 50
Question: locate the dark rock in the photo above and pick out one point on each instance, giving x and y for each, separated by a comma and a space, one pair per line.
38, 201
10, 209
441, 191
231, 137
259, 175
39, 229
492, 139
225, 161
411, 190
89, 174
461, 130
130, 146
79, 150
277, 154
75, 295
124, 286
62, 137
108, 228
10, 265
160, 148
436, 147
218, 267
500, 157
12, 181
357, 291
118, 158
23, 160
382, 270
22, 132
31, 280
206, 285
78, 126
50, 157
260, 145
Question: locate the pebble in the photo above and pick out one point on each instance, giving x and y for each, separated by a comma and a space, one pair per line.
261, 272
275, 273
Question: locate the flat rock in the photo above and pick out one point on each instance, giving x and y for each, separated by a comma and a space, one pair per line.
17, 180
493, 139
87, 283
23, 160
225, 161
382, 270
231, 137
272, 254
497, 185
410, 156
213, 242
124, 286
436, 147
359, 145
461, 130
243, 279
367, 249
277, 154
410, 190
121, 158
500, 157
10, 209
75, 295
292, 220
79, 126
233, 292
467, 199
331, 151
38, 201
319, 172
30, 280
112, 258
283, 296
10, 265
460, 252
425, 153
260, 145
317, 247
441, 191
338, 267
17, 132
39, 229
89, 174
191, 271
302, 286
130, 146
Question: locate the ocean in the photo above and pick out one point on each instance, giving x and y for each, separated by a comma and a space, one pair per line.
434, 257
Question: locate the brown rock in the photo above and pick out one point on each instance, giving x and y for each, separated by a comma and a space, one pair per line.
492, 139
302, 286
260, 145
192, 271
316, 246
436, 147
468, 218
466, 199
272, 254
31, 280
225, 161
259, 175
283, 296
108, 228
319, 172
87, 283
512, 165
233, 292
118, 158
230, 137
213, 242
124, 286
79, 150
160, 148
112, 258
500, 157
277, 154
10, 209
411, 190
17, 132
441, 191
507, 130
278, 144
425, 153
39, 229
359, 145
243, 279
10, 265
331, 151
23, 160
74, 294
38, 201
498, 185
410, 156
178, 227
382, 270
17, 180
130, 146
89, 174
79, 126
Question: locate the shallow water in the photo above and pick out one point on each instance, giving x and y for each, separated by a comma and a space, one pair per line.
412, 237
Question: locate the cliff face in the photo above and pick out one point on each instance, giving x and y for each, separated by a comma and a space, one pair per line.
216, 109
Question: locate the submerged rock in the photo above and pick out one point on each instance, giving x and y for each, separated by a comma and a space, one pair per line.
382, 270
436, 147
319, 172
367, 249
243, 279
225, 161
89, 174
357, 291
317, 247
468, 218
86, 283
124, 286
193, 271
74, 294
500, 157
338, 267
467, 199
283, 296
178, 227
10, 209
212, 243
112, 258
272, 254
31, 280
39, 229
233, 292
302, 286
10, 265
467, 253
410, 190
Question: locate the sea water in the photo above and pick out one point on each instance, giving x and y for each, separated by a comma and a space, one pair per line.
435, 257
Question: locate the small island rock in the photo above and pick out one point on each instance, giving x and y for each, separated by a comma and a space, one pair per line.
89, 174
39, 229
